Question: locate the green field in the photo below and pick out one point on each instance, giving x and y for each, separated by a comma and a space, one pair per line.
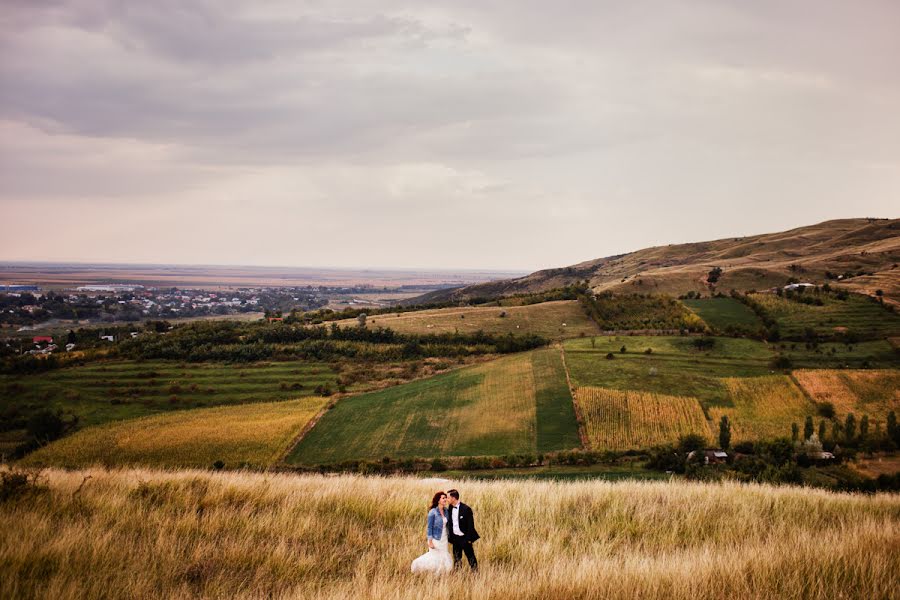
100, 392
857, 314
488, 409
674, 367
726, 315
253, 435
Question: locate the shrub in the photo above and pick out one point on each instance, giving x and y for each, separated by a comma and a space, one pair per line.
826, 409
609, 356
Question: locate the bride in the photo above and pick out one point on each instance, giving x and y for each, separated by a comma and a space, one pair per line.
437, 560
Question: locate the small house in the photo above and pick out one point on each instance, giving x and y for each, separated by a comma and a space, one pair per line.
712, 456
42, 338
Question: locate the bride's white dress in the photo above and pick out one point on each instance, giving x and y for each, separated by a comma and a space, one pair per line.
438, 559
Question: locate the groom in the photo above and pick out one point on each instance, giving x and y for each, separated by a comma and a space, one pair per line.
462, 531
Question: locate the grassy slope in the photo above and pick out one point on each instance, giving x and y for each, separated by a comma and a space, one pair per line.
253, 434
144, 534
720, 313
545, 319
488, 409
857, 313
873, 393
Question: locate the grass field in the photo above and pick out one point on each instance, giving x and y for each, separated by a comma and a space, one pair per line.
254, 435
873, 393
553, 320
726, 314
858, 314
623, 420
488, 409
762, 408
146, 534
674, 367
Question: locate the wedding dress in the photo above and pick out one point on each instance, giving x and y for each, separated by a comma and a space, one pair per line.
438, 559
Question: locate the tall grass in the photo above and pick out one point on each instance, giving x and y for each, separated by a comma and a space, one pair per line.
146, 534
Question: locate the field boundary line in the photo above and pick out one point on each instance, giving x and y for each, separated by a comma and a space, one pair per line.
578, 416
280, 459
803, 391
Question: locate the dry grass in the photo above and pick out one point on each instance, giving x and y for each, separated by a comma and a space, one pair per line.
764, 407
252, 434
621, 420
545, 319
144, 534
873, 393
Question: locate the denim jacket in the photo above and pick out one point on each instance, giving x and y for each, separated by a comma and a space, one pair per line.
435, 526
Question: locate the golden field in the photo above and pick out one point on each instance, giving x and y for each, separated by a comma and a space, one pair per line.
621, 420
553, 320
764, 407
874, 393
188, 534
252, 434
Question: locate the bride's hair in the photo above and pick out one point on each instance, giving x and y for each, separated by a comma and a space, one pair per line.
436, 499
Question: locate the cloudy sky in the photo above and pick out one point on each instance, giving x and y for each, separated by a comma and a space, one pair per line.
436, 134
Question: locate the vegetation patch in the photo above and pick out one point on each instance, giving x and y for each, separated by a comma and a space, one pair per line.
623, 420
873, 393
625, 312
252, 435
761, 407
488, 409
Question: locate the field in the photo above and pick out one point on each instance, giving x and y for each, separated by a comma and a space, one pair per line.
553, 320
873, 393
857, 314
762, 408
146, 534
252, 435
726, 314
488, 409
622, 420
674, 367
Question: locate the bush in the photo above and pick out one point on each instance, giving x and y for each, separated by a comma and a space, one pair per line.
826, 409
781, 362
609, 356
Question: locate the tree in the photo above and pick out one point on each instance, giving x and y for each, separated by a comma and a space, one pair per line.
622, 350
361, 319
593, 342
836, 431
864, 427
893, 430
850, 427
808, 428
46, 425
821, 430
724, 433
795, 432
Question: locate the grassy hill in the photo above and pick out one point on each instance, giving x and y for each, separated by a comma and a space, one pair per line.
865, 251
552, 320
152, 534
253, 435
517, 404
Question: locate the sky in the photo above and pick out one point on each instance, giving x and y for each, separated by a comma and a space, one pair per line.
437, 134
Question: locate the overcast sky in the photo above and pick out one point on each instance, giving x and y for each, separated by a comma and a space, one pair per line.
452, 133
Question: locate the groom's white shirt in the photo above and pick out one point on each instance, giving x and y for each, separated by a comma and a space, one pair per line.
455, 514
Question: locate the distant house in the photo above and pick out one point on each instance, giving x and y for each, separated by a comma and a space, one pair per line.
42, 338
711, 456
273, 319
108, 338
796, 286
823, 456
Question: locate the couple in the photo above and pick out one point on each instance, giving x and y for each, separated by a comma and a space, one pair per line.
456, 525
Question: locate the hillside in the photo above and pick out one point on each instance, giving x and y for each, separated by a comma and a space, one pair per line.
867, 249
156, 534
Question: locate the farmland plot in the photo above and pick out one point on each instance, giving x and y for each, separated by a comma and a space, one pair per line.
622, 420
762, 407
254, 435
873, 393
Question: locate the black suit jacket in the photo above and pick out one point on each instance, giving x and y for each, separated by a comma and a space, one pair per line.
466, 525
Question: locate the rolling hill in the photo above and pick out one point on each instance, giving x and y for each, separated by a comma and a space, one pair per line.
864, 253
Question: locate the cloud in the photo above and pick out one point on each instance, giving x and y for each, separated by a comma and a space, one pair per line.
432, 122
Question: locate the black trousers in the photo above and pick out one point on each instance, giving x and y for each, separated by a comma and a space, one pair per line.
460, 547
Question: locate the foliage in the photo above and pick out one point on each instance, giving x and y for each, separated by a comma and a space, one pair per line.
640, 312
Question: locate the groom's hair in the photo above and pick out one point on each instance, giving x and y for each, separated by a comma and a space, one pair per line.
453, 493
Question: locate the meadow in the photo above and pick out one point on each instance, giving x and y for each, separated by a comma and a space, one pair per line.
515, 404
725, 315
873, 393
152, 534
761, 408
622, 420
250, 435
858, 314
552, 320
